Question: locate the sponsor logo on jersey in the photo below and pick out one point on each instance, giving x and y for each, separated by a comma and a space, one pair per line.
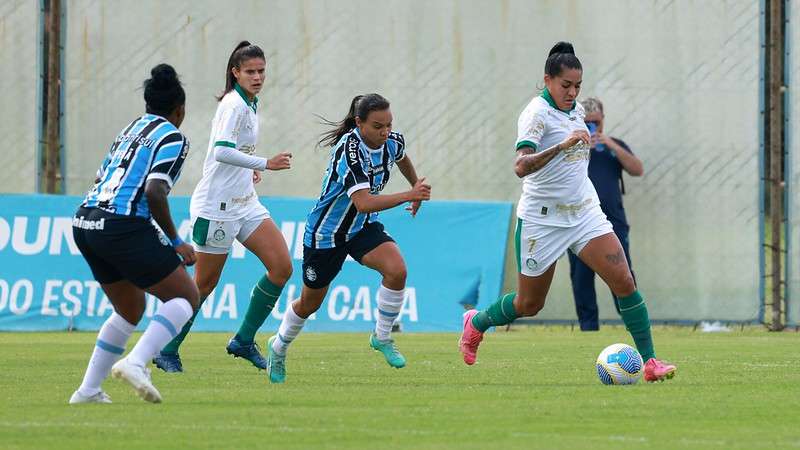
352, 151
164, 240
93, 225
136, 139
185, 148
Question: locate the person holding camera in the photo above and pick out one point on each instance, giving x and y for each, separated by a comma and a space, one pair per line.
609, 158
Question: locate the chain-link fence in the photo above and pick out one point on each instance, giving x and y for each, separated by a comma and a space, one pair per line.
679, 80
684, 95
19, 81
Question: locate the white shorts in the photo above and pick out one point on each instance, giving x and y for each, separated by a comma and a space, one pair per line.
216, 237
539, 246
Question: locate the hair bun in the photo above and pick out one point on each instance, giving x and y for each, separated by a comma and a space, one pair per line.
242, 44
162, 91
163, 76
562, 47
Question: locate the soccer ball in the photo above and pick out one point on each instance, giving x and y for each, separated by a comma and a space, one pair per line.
619, 364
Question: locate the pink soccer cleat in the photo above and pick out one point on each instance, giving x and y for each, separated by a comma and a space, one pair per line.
655, 370
470, 339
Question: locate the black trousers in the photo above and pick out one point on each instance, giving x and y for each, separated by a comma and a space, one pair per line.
582, 278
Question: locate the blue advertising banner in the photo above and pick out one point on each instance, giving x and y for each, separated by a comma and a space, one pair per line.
454, 252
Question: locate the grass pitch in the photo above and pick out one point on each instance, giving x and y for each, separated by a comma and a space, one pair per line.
532, 388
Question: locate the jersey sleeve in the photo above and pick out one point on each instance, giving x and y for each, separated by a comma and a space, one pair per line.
168, 161
352, 168
228, 127
530, 129
400, 147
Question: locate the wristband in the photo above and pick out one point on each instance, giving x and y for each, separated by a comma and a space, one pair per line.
177, 241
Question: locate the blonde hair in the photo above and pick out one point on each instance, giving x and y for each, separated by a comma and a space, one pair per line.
592, 104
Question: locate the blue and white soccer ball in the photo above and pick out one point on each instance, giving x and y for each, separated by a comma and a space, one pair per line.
619, 364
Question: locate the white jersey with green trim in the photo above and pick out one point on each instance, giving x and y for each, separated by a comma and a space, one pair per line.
560, 193
226, 192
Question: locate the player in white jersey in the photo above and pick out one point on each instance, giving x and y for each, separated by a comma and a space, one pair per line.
225, 207
559, 210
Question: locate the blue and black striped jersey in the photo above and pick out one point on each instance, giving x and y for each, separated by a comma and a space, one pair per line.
353, 166
149, 148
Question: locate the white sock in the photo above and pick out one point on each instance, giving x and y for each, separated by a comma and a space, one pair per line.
389, 304
291, 325
165, 325
110, 345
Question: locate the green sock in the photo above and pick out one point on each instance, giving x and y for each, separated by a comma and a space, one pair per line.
501, 312
262, 300
176, 342
634, 313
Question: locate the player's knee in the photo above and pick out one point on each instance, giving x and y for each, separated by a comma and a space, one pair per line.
395, 276
624, 285
280, 274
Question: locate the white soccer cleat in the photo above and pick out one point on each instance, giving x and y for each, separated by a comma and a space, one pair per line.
100, 397
138, 377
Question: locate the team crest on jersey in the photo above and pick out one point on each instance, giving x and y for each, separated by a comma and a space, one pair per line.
531, 263
219, 235
537, 130
237, 128
311, 274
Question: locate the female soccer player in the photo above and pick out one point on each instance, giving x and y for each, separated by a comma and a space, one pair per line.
127, 257
558, 210
225, 207
343, 222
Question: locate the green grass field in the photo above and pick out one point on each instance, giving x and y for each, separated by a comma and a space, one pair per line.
532, 388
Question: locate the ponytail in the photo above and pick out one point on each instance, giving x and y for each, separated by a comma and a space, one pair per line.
360, 107
243, 51
561, 55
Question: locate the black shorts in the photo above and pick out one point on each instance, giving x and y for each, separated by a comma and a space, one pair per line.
121, 247
321, 265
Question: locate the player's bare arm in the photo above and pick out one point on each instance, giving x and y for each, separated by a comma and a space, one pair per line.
407, 169
366, 202
529, 162
156, 192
